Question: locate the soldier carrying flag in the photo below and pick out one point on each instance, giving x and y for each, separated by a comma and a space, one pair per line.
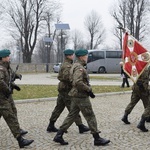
136, 60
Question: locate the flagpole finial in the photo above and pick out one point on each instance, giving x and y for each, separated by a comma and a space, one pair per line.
122, 28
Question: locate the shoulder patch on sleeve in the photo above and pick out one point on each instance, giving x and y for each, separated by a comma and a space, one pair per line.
1, 68
81, 69
68, 66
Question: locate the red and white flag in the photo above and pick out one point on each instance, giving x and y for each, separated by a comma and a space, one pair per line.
135, 57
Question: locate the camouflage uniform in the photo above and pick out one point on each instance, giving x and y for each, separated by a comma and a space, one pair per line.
10, 98
80, 98
64, 87
80, 92
15, 76
146, 115
5, 106
140, 91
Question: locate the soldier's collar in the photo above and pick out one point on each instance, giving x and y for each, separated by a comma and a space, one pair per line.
82, 62
68, 60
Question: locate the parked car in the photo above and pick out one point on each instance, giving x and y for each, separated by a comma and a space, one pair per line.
56, 67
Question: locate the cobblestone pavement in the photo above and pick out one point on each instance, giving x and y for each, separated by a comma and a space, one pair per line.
34, 117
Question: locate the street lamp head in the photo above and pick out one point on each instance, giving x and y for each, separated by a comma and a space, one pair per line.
47, 39
62, 26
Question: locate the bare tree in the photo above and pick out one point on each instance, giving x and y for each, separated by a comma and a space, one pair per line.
77, 39
50, 16
94, 26
132, 14
26, 18
62, 41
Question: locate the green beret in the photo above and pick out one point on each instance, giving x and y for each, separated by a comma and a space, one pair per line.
68, 52
81, 52
4, 53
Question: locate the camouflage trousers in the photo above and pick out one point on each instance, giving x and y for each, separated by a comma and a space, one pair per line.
11, 101
10, 118
83, 105
146, 112
63, 101
135, 97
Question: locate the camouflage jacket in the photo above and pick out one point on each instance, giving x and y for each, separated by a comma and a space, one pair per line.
4, 80
80, 80
142, 82
63, 76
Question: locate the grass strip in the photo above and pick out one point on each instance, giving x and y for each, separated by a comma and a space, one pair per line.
44, 91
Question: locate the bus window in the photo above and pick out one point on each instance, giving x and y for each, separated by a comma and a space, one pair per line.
93, 56
89, 57
98, 55
113, 54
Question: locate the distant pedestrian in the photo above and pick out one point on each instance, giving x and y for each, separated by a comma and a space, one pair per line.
124, 77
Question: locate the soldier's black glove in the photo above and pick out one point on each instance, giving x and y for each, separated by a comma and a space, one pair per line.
140, 85
18, 76
91, 94
14, 86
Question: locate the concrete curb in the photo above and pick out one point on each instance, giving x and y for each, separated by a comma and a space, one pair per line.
54, 98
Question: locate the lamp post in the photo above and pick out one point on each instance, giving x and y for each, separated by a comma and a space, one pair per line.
61, 27
19, 50
47, 41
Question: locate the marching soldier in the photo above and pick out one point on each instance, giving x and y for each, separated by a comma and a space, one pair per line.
6, 109
80, 92
139, 91
63, 99
15, 76
146, 114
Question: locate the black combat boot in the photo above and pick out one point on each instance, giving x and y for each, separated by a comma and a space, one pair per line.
83, 128
125, 118
59, 138
99, 141
141, 125
23, 142
51, 127
23, 132
148, 120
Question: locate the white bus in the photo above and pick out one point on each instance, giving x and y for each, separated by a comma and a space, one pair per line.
104, 61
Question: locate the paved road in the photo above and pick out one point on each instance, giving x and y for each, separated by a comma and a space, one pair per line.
34, 117
51, 79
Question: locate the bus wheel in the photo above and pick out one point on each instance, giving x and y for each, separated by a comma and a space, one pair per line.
101, 70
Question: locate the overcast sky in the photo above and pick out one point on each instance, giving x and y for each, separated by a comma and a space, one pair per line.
75, 11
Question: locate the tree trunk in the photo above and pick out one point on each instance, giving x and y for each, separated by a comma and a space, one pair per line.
27, 57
